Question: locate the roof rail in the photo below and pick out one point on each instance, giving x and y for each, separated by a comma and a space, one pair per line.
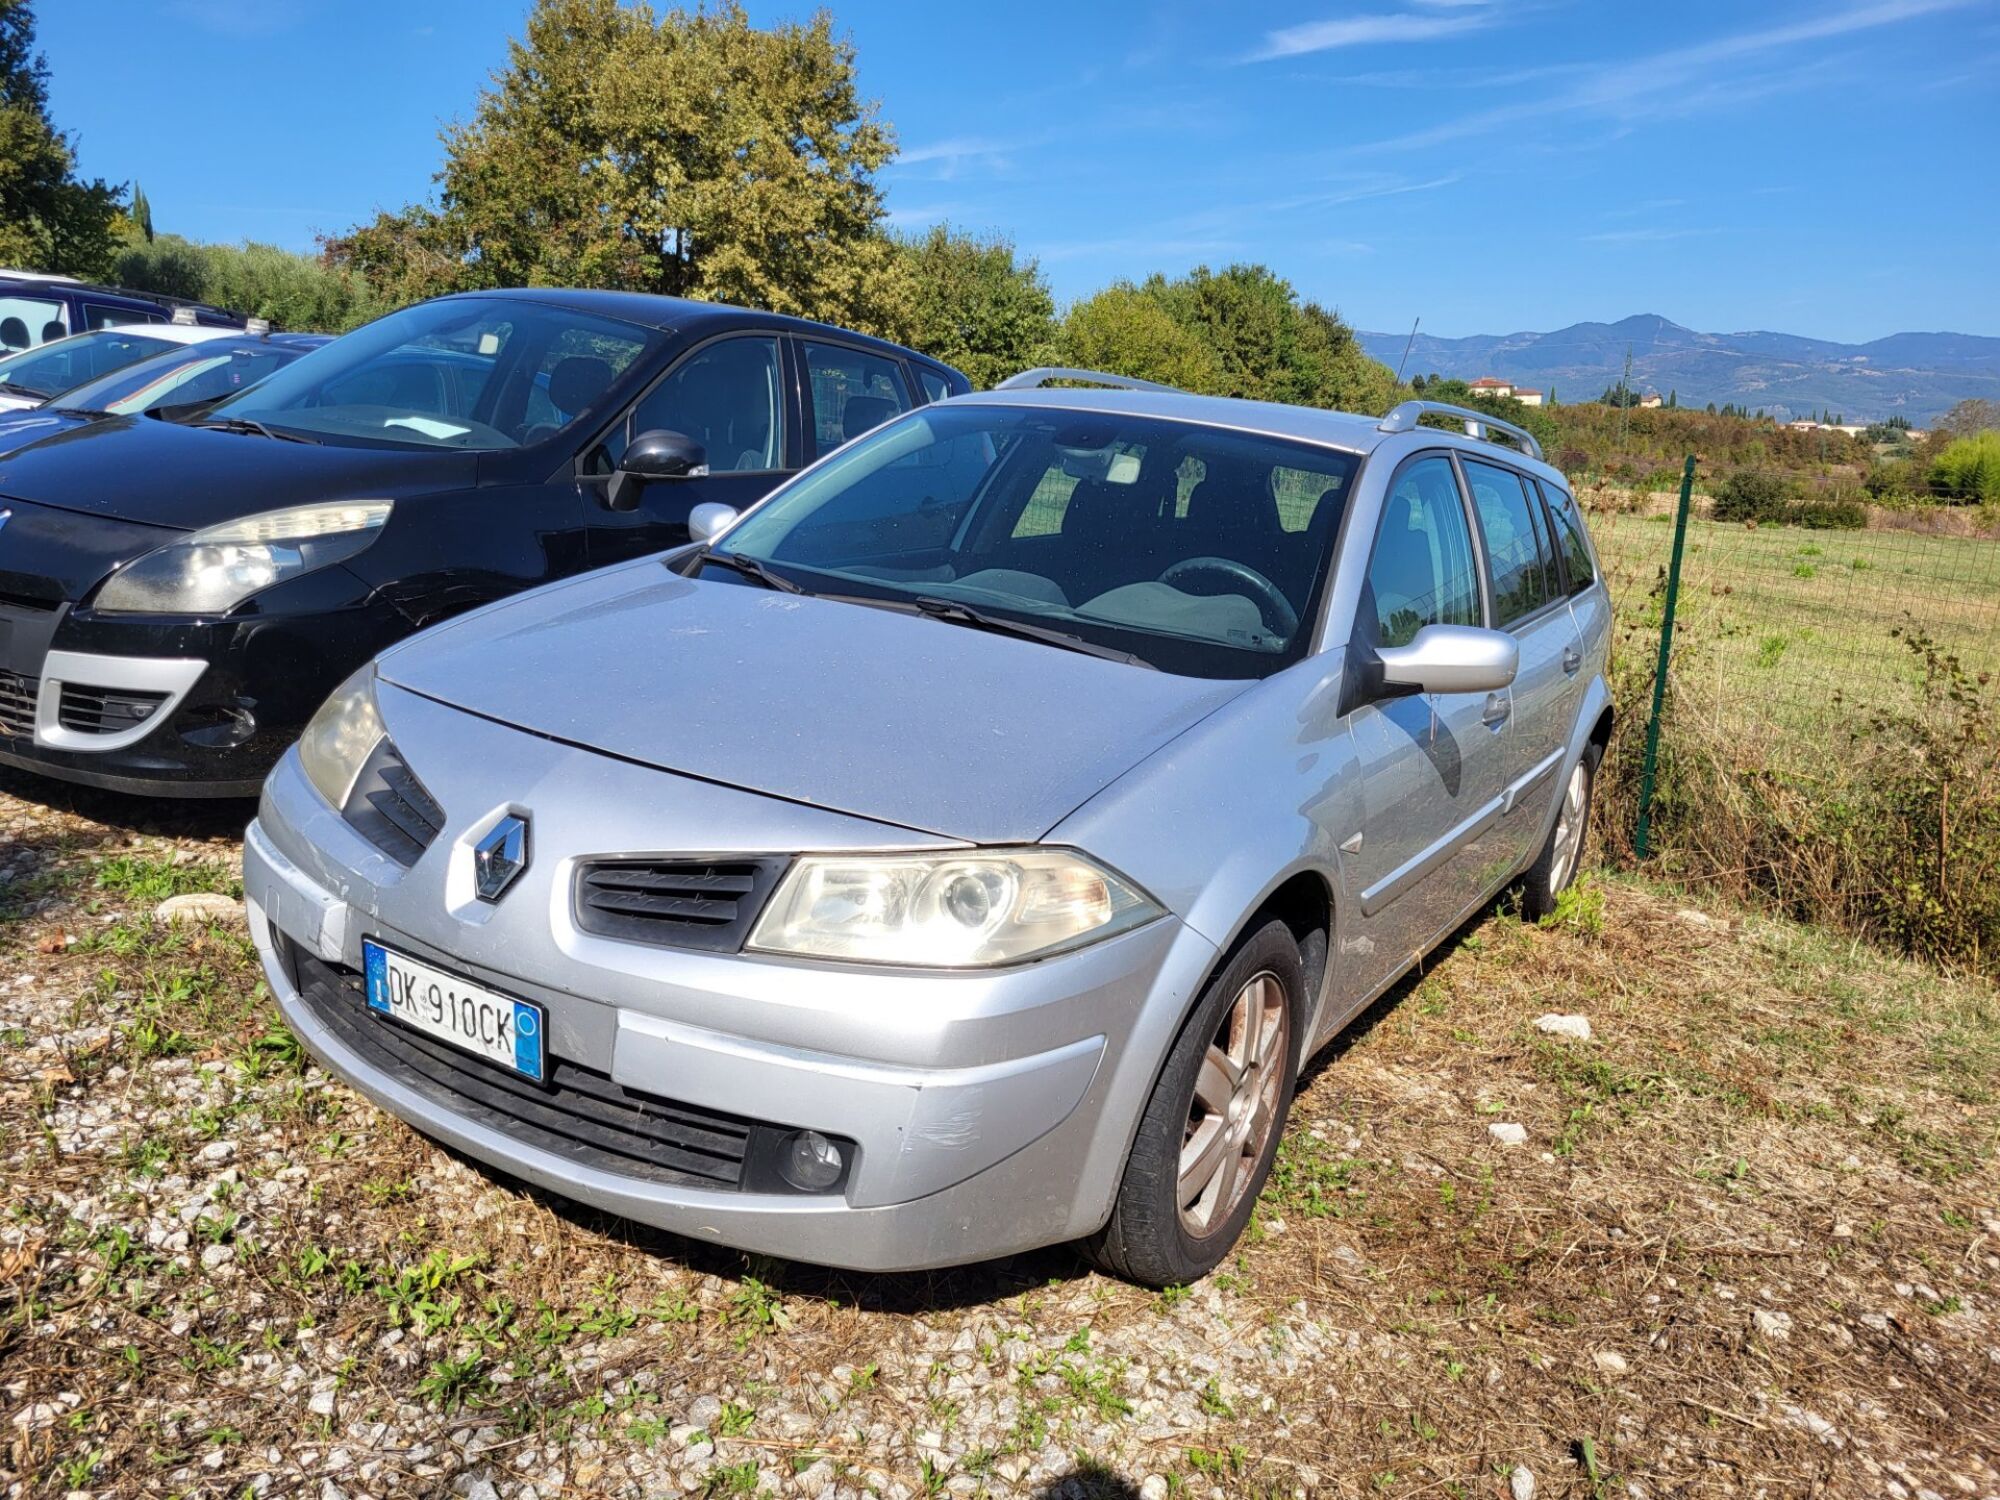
1029, 380
1477, 423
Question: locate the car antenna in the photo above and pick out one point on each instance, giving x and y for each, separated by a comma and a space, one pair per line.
1407, 344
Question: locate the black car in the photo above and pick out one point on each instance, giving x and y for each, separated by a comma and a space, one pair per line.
37, 309
177, 599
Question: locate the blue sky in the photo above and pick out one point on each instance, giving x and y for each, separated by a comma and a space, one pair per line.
1823, 167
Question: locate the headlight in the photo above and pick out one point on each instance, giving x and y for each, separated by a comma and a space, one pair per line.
216, 569
341, 736
952, 911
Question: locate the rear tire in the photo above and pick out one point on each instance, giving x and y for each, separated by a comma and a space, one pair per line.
1555, 867
1211, 1128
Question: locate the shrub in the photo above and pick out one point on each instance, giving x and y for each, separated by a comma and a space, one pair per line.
1895, 836
1968, 471
1770, 499
295, 292
1754, 495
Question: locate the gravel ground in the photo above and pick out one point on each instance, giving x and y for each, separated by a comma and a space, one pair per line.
1737, 1231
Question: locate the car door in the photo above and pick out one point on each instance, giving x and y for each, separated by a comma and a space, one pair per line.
729, 395
1525, 585
1433, 765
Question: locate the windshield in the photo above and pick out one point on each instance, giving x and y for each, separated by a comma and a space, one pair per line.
67, 362
190, 375
1198, 550
462, 372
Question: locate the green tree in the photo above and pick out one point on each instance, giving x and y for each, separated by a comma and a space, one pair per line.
693, 155
50, 219
1126, 332
976, 306
1242, 331
141, 212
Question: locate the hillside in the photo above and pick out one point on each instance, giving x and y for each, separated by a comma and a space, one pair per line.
1914, 375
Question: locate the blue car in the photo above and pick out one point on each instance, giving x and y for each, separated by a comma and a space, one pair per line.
38, 309
178, 382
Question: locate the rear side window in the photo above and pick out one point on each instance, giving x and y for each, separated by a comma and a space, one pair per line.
98, 315
1422, 571
852, 392
1570, 539
1518, 552
936, 387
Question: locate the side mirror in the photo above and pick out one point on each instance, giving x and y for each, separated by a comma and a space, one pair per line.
709, 520
658, 454
1452, 659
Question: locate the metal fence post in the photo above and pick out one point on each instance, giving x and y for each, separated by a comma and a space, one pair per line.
1651, 764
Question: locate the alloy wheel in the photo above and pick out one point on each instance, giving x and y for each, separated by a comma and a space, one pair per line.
1570, 824
1235, 1104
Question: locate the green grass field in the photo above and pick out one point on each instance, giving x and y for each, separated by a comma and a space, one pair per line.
1795, 629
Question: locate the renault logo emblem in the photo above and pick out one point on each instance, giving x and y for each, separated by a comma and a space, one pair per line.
499, 857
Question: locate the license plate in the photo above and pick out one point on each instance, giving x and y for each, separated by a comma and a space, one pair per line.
496, 1027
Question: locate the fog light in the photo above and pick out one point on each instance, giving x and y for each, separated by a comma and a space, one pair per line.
810, 1162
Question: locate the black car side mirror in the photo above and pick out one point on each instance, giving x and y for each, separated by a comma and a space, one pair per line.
658, 454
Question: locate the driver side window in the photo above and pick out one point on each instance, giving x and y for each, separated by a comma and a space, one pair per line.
1422, 572
727, 397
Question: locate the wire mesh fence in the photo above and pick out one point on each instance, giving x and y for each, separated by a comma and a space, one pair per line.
1786, 633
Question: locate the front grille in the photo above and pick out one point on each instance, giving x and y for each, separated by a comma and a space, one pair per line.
87, 710
684, 903
17, 705
391, 808
579, 1112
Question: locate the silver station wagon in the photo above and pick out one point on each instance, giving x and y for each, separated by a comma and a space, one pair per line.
962, 850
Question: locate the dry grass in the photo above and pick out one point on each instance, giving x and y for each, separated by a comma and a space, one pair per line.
1752, 1244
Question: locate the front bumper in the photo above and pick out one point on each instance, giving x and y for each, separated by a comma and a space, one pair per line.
991, 1113
221, 699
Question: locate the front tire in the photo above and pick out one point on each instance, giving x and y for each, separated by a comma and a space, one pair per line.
1211, 1128
1556, 866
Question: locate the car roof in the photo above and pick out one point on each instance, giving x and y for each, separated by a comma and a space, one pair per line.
1351, 432
49, 282
684, 314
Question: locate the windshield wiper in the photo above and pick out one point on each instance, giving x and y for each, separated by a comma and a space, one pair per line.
957, 613
750, 568
256, 428
15, 388
90, 413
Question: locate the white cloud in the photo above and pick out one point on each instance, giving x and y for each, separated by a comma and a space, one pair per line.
1362, 31
1672, 82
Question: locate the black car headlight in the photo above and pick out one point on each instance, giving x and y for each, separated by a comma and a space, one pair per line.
215, 569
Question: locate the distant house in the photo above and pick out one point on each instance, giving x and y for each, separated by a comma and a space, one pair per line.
1651, 400
1486, 385
1526, 396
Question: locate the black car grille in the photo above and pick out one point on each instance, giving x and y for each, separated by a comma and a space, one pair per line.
579, 1112
682, 903
17, 705
391, 808
86, 710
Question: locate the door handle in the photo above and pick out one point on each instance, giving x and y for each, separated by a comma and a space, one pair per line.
1572, 660
1496, 711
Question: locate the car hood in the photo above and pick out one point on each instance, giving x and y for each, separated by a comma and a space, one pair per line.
164, 474
20, 427
900, 718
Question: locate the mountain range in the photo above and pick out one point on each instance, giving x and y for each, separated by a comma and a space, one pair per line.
1913, 375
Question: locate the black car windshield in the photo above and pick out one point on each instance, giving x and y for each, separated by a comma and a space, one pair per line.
188, 375
1199, 550
67, 362
462, 373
